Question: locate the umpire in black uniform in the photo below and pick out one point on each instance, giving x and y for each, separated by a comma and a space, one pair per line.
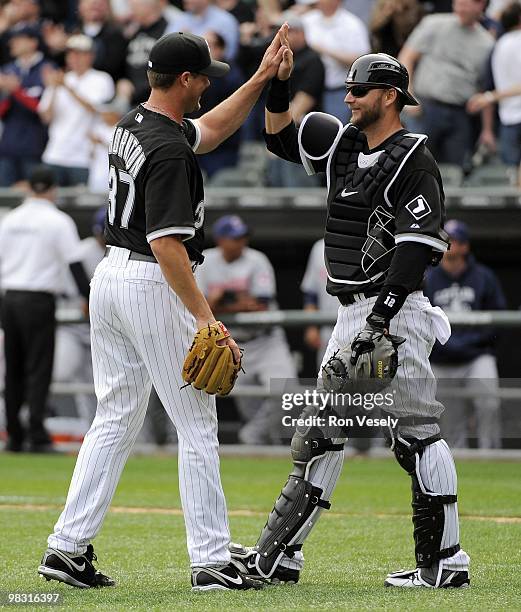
37, 242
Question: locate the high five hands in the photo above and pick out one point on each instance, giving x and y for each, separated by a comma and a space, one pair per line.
278, 58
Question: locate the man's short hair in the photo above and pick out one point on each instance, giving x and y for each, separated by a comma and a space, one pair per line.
400, 103
42, 179
157, 80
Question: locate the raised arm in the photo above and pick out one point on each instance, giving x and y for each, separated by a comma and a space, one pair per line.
227, 117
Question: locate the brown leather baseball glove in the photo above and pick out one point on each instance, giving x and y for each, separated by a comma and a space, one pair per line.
209, 364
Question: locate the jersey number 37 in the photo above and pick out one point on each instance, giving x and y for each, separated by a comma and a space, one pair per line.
118, 179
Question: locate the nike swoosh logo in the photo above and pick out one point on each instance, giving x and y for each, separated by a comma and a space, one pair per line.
346, 193
234, 580
251, 563
69, 561
223, 577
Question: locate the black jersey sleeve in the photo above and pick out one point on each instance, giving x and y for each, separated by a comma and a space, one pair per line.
419, 209
168, 200
192, 133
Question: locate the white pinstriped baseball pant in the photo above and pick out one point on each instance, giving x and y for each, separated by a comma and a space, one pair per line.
420, 324
140, 334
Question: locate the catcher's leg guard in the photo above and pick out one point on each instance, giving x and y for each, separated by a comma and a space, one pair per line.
300, 503
435, 515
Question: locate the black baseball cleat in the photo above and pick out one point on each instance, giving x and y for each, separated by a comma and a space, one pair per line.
223, 578
244, 559
428, 578
78, 571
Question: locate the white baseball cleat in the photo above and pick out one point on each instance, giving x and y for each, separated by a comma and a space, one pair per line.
427, 578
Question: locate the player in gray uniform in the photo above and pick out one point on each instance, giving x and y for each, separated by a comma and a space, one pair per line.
383, 229
316, 298
237, 278
145, 308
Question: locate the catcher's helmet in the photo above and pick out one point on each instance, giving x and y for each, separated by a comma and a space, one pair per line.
381, 69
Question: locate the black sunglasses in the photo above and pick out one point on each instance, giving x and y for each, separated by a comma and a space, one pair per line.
359, 91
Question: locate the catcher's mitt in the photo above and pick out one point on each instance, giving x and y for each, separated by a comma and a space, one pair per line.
210, 366
373, 357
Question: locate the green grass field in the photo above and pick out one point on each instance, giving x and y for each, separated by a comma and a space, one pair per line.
367, 533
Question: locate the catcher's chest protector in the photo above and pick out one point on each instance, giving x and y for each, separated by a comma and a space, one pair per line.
357, 187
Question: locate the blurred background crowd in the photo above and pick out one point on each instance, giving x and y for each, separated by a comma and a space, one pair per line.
70, 69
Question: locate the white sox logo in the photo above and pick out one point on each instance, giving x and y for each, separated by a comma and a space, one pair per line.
418, 207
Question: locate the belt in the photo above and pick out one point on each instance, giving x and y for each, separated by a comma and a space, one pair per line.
351, 298
136, 256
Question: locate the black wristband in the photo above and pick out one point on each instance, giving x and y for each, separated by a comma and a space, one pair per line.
389, 301
277, 100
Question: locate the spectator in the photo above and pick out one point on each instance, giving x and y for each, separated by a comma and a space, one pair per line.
202, 16
37, 242
147, 16
307, 88
496, 7
227, 154
437, 6
461, 284
361, 8
68, 106
339, 37
445, 56
254, 40
110, 46
506, 71
24, 136
236, 278
391, 23
242, 11
100, 136
16, 13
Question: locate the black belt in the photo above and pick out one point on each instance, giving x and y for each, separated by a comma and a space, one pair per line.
136, 256
352, 298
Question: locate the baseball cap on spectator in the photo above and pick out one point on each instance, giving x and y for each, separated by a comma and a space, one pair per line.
79, 42
42, 179
457, 230
230, 226
181, 52
98, 221
24, 29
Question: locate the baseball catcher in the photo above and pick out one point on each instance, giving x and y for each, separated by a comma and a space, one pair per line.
385, 213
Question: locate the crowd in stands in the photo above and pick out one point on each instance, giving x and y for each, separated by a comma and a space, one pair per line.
70, 70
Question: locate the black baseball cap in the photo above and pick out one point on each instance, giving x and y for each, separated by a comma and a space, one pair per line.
42, 179
182, 52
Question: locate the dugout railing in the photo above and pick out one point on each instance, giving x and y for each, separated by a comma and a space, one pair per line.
301, 319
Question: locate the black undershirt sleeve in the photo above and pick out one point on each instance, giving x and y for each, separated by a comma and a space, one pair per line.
80, 278
405, 276
284, 144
